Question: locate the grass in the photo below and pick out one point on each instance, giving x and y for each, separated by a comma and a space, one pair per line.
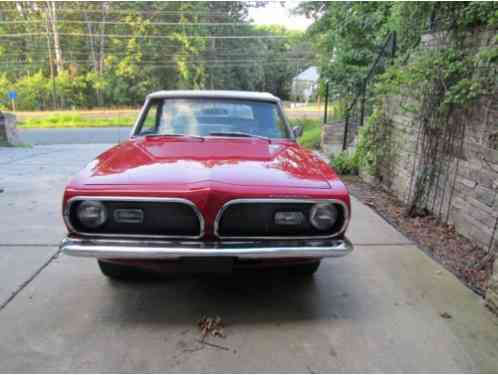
311, 134
22, 145
75, 120
311, 137
310, 107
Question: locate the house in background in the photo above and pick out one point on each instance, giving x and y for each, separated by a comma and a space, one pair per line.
305, 84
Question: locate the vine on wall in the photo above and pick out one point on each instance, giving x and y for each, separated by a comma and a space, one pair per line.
442, 81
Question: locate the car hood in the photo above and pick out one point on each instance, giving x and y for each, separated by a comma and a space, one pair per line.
182, 161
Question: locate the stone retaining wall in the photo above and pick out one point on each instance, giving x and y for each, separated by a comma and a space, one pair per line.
8, 131
331, 138
466, 192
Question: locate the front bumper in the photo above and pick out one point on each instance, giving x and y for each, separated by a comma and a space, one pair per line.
148, 249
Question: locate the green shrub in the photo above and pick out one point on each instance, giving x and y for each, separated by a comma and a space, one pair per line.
345, 163
72, 90
4, 88
32, 91
366, 151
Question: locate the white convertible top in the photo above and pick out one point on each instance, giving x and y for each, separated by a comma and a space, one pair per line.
227, 94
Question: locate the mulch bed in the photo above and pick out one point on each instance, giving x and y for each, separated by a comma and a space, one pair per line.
470, 263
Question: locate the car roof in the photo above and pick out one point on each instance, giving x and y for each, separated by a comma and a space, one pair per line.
226, 94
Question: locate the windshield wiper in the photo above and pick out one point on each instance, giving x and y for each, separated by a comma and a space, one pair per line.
239, 134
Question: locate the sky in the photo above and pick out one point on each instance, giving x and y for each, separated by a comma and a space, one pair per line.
275, 14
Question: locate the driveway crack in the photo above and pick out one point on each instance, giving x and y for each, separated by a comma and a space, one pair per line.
29, 280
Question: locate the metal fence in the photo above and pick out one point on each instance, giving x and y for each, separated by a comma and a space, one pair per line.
360, 107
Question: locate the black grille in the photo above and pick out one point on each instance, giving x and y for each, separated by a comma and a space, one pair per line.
159, 219
256, 219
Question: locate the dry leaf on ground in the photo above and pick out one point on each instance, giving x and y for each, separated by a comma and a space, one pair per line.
211, 326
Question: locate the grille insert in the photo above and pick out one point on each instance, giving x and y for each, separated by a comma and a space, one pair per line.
255, 218
162, 218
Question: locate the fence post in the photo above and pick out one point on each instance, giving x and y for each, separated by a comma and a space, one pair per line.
362, 103
346, 126
326, 111
394, 45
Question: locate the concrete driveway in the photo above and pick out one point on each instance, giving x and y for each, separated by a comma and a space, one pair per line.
378, 309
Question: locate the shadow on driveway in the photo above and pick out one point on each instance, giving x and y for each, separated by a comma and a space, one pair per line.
244, 297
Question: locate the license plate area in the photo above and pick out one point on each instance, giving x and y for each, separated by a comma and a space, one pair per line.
218, 265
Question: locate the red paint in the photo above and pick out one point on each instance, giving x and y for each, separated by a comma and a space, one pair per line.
209, 172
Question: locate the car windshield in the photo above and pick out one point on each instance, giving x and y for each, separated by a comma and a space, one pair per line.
213, 117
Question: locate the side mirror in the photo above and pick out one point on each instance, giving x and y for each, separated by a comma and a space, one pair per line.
297, 131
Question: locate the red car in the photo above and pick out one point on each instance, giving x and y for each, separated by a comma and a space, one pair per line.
210, 180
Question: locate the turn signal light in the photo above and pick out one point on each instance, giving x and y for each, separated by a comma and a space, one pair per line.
289, 218
129, 216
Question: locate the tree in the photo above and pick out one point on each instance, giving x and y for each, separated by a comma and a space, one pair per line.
113, 53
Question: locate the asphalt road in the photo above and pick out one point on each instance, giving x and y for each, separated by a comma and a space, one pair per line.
378, 309
111, 135
66, 136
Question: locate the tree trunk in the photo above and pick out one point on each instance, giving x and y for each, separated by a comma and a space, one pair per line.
91, 41
100, 69
50, 60
52, 17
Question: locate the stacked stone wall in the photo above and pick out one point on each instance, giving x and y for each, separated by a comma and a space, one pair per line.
8, 131
465, 192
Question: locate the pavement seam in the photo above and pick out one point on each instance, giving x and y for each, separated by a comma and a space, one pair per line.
376, 244
28, 281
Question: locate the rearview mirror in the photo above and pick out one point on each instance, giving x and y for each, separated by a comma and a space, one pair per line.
297, 131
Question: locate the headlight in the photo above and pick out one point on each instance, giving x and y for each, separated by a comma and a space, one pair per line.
91, 214
323, 216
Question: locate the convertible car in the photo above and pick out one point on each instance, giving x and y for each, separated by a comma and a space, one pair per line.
208, 181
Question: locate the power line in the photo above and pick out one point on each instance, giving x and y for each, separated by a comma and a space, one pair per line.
151, 36
197, 61
210, 66
127, 23
131, 12
206, 54
218, 52
166, 48
115, 51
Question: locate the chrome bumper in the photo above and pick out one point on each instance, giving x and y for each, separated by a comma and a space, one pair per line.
144, 249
